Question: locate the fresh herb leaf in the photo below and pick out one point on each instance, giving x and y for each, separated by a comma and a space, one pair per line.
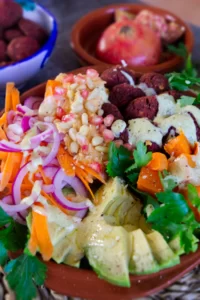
14, 235
24, 273
168, 181
186, 79
197, 100
133, 177
185, 100
179, 50
141, 157
3, 254
193, 196
119, 160
175, 218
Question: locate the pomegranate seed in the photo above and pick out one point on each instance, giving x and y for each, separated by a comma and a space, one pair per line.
118, 143
108, 120
68, 117
92, 73
69, 78
108, 135
60, 112
79, 78
96, 167
84, 94
59, 90
96, 120
84, 148
128, 146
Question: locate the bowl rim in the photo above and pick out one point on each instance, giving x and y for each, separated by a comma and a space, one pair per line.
71, 278
90, 59
51, 40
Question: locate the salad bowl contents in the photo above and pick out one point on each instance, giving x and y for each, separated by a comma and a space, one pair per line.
143, 36
101, 172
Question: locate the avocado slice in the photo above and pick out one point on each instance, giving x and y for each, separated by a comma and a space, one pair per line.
142, 259
107, 247
162, 251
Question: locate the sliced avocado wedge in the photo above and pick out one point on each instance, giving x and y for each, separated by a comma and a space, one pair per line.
162, 251
142, 259
109, 252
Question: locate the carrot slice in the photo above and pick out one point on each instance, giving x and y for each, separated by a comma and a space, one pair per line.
178, 145
46, 179
33, 242
16, 163
3, 155
50, 87
149, 181
15, 98
2, 134
41, 232
3, 119
159, 162
8, 101
7, 171
53, 202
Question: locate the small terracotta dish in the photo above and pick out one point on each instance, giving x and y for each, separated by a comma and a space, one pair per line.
84, 283
87, 31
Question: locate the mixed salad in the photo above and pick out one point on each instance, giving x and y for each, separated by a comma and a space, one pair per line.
105, 167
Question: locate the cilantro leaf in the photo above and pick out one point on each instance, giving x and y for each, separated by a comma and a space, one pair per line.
186, 79
174, 217
141, 157
197, 100
14, 235
119, 160
185, 100
193, 196
24, 273
179, 50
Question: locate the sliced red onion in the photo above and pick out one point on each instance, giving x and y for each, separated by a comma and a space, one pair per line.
8, 146
75, 183
50, 171
9, 208
16, 188
33, 102
25, 123
10, 116
48, 188
81, 214
55, 146
54, 162
36, 140
25, 110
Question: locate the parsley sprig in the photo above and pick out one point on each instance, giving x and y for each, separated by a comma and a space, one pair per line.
26, 271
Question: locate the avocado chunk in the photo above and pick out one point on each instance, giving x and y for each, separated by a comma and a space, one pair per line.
142, 259
162, 251
107, 247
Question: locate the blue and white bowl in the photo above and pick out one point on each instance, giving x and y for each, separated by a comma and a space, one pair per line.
23, 70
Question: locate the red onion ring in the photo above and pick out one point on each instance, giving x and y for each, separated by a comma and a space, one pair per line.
25, 123
12, 209
33, 102
48, 188
55, 146
75, 183
36, 140
50, 171
8, 146
16, 187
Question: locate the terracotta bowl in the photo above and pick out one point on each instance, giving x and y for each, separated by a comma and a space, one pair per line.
86, 32
84, 283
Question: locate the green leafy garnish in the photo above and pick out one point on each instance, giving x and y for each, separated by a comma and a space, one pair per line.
119, 160
23, 274
193, 196
14, 235
197, 100
186, 79
179, 50
174, 217
3, 255
168, 181
185, 100
141, 157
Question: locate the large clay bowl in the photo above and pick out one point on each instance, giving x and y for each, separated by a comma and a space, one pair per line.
84, 283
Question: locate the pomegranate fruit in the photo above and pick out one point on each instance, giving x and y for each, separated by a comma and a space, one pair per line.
126, 40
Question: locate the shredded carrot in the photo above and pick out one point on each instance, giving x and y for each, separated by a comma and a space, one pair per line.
159, 162
93, 173
8, 100
3, 155
3, 119
53, 202
46, 179
178, 145
66, 161
81, 175
33, 242
16, 162
15, 98
41, 235
2, 134
7, 171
